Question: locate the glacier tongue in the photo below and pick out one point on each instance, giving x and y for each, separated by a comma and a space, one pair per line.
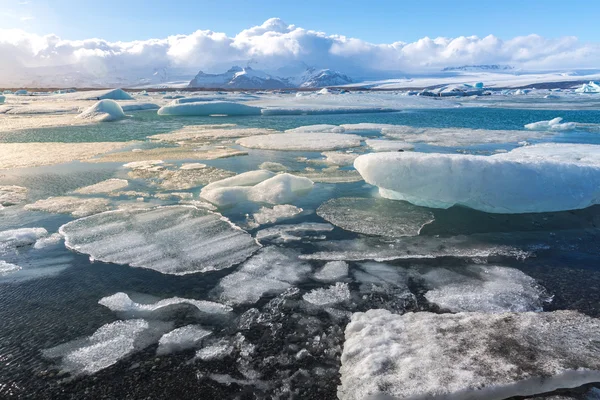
171, 240
467, 355
539, 178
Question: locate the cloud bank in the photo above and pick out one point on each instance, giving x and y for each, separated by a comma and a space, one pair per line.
272, 45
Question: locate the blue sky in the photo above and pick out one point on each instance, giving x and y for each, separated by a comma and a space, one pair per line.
377, 21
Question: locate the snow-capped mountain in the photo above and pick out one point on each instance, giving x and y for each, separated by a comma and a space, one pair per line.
239, 78
248, 78
482, 67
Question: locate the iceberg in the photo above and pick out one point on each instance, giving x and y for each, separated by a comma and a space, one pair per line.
171, 240
107, 94
301, 141
467, 355
380, 217
259, 186
591, 87
206, 108
539, 178
554, 124
104, 111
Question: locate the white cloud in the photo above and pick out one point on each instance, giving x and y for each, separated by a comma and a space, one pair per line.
276, 44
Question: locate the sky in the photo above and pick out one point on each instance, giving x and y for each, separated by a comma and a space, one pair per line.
130, 40
377, 21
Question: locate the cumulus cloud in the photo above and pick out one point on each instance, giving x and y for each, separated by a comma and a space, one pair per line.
272, 45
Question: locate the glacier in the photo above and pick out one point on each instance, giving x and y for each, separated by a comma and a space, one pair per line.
539, 178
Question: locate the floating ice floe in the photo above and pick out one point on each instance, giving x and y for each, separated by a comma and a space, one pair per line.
13, 238
190, 177
180, 339
272, 270
301, 141
330, 175
539, 178
48, 241
260, 186
279, 212
332, 271
11, 195
205, 108
484, 288
339, 158
334, 294
467, 355
8, 268
122, 303
208, 132
109, 344
22, 155
76, 206
169, 153
106, 186
372, 216
293, 233
388, 145
104, 111
554, 124
411, 248
321, 128
273, 166
171, 240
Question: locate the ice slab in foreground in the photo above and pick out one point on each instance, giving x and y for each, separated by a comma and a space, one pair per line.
467, 355
372, 216
540, 178
103, 111
485, 288
122, 303
171, 240
272, 270
301, 141
209, 108
109, 344
260, 186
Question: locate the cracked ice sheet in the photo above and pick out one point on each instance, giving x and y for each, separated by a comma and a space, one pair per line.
171, 240
22, 155
467, 355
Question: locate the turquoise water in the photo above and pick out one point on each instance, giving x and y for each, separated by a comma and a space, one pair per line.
46, 311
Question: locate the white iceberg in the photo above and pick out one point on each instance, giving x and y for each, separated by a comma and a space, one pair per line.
259, 186
301, 141
206, 108
591, 87
104, 111
171, 240
539, 178
554, 124
467, 355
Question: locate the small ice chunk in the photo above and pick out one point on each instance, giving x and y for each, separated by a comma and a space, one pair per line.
187, 178
301, 141
109, 344
76, 206
332, 271
273, 166
171, 240
292, 233
335, 294
485, 288
104, 111
279, 212
7, 268
51, 240
20, 237
215, 351
372, 216
388, 145
554, 124
11, 195
120, 302
106, 186
180, 339
339, 158
272, 270
467, 355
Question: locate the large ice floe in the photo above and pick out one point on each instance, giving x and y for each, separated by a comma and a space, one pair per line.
104, 111
301, 141
106, 346
259, 186
373, 216
539, 178
201, 108
272, 270
171, 240
467, 355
